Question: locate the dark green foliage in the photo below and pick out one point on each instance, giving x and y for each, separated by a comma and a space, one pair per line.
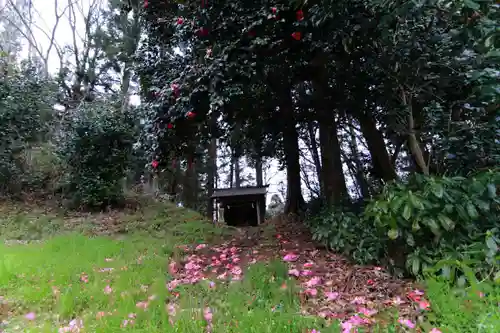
26, 101
344, 232
97, 146
422, 222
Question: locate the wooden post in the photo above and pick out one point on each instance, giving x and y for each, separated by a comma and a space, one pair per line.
257, 207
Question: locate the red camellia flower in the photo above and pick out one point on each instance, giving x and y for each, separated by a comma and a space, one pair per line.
191, 114
202, 32
300, 15
296, 35
274, 10
154, 164
146, 3
170, 126
180, 20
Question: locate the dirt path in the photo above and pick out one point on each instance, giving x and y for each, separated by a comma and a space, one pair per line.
331, 287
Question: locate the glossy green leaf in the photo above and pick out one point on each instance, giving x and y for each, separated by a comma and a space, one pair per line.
406, 212
446, 222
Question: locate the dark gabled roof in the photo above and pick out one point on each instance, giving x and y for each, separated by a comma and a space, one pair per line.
239, 191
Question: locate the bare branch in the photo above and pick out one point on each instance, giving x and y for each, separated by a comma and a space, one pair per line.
30, 36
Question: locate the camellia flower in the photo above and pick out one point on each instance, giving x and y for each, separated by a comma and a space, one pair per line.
291, 257
300, 15
406, 322
331, 295
311, 292
207, 314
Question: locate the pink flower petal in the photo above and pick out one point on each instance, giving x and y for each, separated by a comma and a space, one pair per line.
367, 312
331, 295
294, 272
142, 305
173, 268
307, 273
108, 290
313, 282
311, 292
236, 270
207, 314
290, 257
424, 305
406, 322
435, 330
30, 316
201, 246
359, 300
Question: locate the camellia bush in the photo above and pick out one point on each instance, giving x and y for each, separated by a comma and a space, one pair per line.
26, 100
96, 144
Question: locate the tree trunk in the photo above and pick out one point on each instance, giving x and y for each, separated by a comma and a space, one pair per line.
332, 173
190, 185
358, 173
377, 148
211, 176
231, 168
235, 141
294, 199
334, 186
237, 171
314, 151
413, 142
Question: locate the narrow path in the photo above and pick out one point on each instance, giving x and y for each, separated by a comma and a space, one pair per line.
331, 287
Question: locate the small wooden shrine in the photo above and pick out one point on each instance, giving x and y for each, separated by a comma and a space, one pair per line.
241, 206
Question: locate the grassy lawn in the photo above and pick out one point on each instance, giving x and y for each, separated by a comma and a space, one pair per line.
117, 272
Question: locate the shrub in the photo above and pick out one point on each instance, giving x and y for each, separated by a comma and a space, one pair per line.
429, 222
97, 147
434, 218
344, 232
26, 101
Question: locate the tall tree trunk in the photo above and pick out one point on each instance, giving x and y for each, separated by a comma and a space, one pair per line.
190, 184
231, 168
332, 173
235, 142
358, 173
259, 172
314, 151
294, 199
334, 185
211, 176
237, 171
376, 146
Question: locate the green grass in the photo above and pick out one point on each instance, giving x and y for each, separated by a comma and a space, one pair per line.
462, 311
45, 277
87, 266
